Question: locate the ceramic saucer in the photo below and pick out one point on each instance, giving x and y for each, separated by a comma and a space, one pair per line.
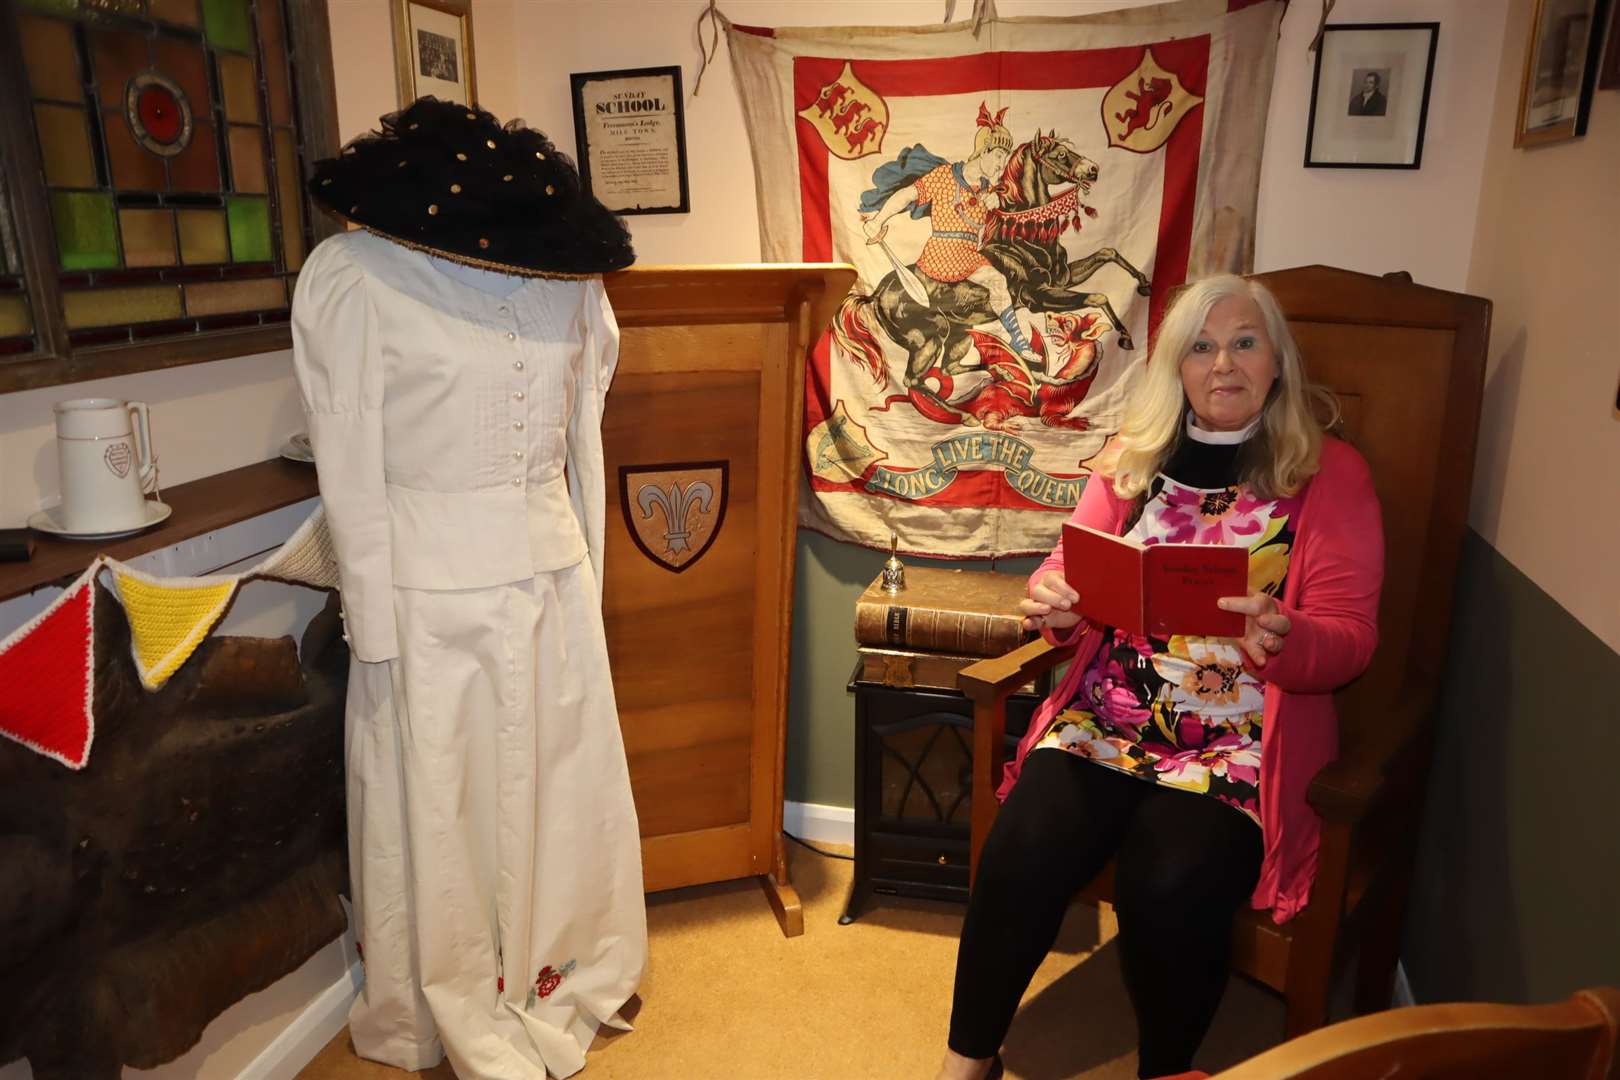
49, 520
297, 448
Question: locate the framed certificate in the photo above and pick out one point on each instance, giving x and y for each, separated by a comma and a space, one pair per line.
630, 129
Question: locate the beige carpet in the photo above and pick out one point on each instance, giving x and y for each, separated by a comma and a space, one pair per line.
727, 996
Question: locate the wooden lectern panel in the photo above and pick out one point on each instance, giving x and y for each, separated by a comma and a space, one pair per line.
702, 438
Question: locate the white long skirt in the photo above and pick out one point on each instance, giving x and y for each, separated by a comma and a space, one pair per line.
494, 854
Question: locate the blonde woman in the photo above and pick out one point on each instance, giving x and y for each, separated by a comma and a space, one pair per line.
1185, 759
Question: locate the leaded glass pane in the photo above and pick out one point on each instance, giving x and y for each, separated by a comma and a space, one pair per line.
64, 146
14, 320
165, 177
183, 12
215, 298
240, 88
53, 69
203, 237
86, 230
249, 220
228, 24
247, 159
148, 237
107, 307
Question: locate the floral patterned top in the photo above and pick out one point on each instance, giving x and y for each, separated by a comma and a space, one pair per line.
1182, 710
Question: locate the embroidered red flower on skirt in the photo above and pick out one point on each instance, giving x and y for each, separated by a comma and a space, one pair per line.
547, 981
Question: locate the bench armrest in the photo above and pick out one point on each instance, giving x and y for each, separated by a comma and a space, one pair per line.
998, 677
1351, 787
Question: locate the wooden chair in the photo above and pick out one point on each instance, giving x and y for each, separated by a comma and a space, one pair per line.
1408, 365
1569, 1040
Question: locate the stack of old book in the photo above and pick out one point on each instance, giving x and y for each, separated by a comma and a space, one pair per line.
937, 624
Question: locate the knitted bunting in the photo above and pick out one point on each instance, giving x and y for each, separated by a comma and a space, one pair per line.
46, 666
307, 558
168, 617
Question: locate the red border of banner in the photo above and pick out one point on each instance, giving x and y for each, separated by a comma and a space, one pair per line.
989, 73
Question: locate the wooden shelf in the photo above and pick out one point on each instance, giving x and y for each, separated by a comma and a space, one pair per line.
199, 507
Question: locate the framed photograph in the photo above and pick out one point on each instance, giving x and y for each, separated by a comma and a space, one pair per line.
1609, 71
630, 130
1560, 70
1370, 96
433, 50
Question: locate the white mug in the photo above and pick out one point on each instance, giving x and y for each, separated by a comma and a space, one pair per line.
106, 470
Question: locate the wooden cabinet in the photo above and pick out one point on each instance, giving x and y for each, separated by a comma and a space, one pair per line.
913, 785
702, 442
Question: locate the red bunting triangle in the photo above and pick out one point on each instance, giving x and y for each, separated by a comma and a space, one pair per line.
46, 678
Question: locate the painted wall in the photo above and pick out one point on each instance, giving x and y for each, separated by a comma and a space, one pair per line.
1518, 875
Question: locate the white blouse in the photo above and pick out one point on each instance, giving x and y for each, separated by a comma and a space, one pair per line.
441, 417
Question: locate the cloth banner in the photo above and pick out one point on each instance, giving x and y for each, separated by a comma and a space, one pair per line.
1020, 202
48, 663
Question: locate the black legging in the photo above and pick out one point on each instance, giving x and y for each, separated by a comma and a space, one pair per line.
1185, 863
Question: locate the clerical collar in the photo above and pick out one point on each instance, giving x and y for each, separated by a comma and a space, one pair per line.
1220, 438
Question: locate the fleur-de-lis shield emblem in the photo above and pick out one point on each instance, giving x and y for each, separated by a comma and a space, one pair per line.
850, 116
674, 512
1142, 109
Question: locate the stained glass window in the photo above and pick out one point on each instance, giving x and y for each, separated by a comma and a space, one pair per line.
16, 321
171, 158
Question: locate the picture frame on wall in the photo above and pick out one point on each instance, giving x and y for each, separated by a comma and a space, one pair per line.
433, 50
630, 131
1609, 70
1370, 96
1560, 70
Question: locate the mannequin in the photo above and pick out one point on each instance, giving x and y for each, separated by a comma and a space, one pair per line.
490, 281
454, 396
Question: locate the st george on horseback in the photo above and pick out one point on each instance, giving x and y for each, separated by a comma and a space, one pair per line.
994, 255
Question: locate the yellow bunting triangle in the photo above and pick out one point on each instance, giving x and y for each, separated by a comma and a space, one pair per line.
168, 617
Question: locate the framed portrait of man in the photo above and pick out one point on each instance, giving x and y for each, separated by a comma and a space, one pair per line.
1370, 96
433, 50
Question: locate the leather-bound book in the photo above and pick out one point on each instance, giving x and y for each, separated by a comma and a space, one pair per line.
962, 612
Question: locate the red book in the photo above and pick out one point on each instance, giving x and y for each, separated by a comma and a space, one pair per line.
1157, 589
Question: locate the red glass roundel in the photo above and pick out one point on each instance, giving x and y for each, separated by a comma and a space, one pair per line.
158, 113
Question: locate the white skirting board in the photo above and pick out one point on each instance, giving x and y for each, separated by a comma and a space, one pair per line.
819, 822
316, 1026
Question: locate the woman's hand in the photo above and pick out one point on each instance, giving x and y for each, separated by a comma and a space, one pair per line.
1050, 603
875, 226
1265, 627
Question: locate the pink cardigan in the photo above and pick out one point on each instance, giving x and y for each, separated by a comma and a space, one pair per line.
1334, 575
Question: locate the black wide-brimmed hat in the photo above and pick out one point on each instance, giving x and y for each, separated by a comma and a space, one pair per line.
451, 180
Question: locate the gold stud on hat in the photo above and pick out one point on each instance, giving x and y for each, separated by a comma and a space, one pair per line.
353, 210
413, 127
433, 208
460, 156
507, 178
328, 182
550, 190
483, 241
455, 189
402, 164
539, 155
490, 143
472, 116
